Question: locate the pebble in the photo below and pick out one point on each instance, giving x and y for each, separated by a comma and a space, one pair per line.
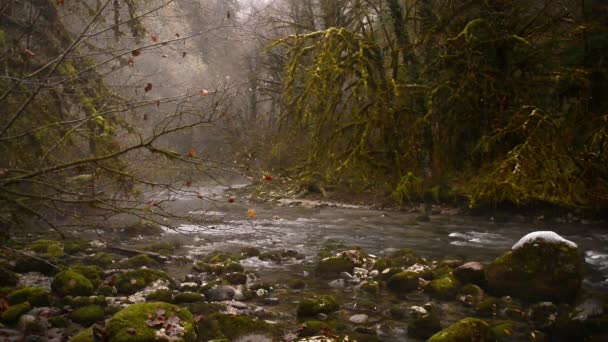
359, 318
322, 317
374, 273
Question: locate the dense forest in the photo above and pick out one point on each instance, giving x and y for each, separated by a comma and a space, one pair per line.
160, 158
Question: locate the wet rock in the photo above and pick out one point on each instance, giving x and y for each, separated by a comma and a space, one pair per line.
233, 328
443, 288
34, 279
539, 267
25, 264
325, 304
271, 301
338, 283
236, 278
403, 282
137, 261
471, 273
30, 325
149, 321
359, 319
37, 296
71, 283
543, 315
144, 228
488, 307
280, 256
133, 281
9, 335
12, 314
103, 260
371, 287
401, 258
220, 293
422, 323
218, 268
87, 315
374, 273
468, 329
589, 308
470, 295
162, 295
190, 286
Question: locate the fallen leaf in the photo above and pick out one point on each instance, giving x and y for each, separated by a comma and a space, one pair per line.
155, 39
60, 2
28, 53
3, 172
136, 52
191, 153
276, 217
130, 62
200, 196
231, 200
177, 35
184, 54
251, 213
152, 203
148, 87
267, 178
189, 183
204, 92
160, 311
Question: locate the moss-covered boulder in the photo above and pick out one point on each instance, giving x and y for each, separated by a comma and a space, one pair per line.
48, 248
7, 277
325, 304
84, 336
143, 227
343, 261
25, 264
314, 328
71, 283
220, 256
93, 273
37, 296
402, 258
422, 323
471, 273
148, 322
137, 261
539, 267
236, 278
403, 282
162, 295
75, 247
230, 327
466, 330
133, 281
164, 248
87, 315
103, 260
443, 288
12, 314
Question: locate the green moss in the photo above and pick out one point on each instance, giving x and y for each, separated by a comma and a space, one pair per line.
75, 247
14, 312
37, 296
162, 295
188, 297
87, 315
7, 277
443, 288
26, 264
71, 283
466, 330
236, 278
2, 38
296, 283
93, 273
423, 327
106, 290
59, 322
403, 282
218, 326
137, 261
84, 336
313, 328
133, 281
322, 304
48, 248
135, 318
78, 302
487, 307
334, 265
163, 248
220, 257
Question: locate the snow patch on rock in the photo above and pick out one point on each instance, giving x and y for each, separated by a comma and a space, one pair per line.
543, 236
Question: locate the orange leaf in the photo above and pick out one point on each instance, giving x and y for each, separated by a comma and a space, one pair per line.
3, 172
28, 53
148, 87
60, 2
152, 203
251, 213
130, 62
136, 53
189, 183
267, 178
155, 39
200, 196
231, 200
204, 92
191, 153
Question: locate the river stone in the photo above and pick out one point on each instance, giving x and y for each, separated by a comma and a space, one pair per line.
471, 273
538, 269
220, 293
468, 329
403, 282
359, 318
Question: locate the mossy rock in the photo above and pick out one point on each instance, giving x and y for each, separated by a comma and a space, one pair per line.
403, 282
81, 301
231, 327
103, 260
133, 281
314, 328
25, 264
130, 324
219, 268
37, 296
322, 304
75, 247
48, 248
163, 248
162, 295
334, 265
466, 330
372, 287
143, 227
220, 257
443, 288
106, 290
236, 278
296, 283
93, 273
12, 314
488, 307
59, 322
87, 315
537, 271
137, 261
402, 258
84, 336
8, 277
423, 327
188, 297
71, 283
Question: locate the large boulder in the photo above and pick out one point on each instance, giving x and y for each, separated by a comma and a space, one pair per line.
542, 266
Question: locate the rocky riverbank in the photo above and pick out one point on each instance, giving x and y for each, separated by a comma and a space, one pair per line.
87, 291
